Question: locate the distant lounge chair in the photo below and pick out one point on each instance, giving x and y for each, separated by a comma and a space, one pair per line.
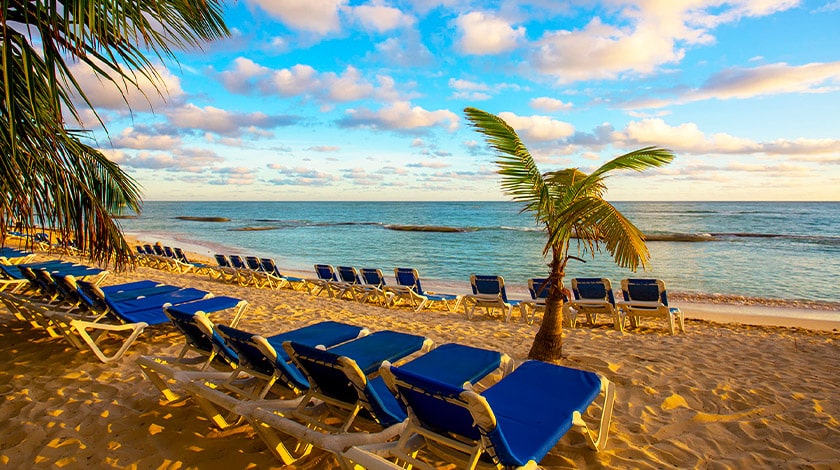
488, 292
373, 287
349, 281
648, 298
593, 296
513, 423
409, 288
186, 265
326, 280
538, 287
278, 279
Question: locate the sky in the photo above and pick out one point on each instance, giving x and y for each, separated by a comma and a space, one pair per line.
344, 100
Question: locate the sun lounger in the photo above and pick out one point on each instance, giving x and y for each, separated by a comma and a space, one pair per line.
593, 296
344, 390
326, 280
648, 298
349, 280
409, 289
261, 363
372, 288
488, 293
278, 279
513, 423
538, 287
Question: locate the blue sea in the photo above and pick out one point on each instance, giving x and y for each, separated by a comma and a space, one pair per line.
778, 250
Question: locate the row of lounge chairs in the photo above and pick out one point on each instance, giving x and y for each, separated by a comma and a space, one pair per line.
66, 300
375, 399
642, 298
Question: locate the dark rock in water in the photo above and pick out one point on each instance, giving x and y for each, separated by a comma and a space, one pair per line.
425, 228
124, 216
251, 229
203, 219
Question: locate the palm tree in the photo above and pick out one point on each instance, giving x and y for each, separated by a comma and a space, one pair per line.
569, 204
49, 176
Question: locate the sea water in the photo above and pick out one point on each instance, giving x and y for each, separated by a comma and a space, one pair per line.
781, 250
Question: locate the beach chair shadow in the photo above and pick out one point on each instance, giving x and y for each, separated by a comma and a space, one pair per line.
513, 423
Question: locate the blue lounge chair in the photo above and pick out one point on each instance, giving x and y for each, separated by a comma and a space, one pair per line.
349, 280
538, 287
340, 378
372, 288
262, 363
278, 279
149, 309
409, 288
488, 292
593, 296
225, 270
648, 298
186, 265
514, 423
326, 280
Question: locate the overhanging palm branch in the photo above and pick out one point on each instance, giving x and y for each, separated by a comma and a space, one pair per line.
48, 175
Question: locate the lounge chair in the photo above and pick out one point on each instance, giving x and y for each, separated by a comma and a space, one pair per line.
373, 287
350, 407
225, 270
244, 275
262, 363
648, 298
349, 280
409, 289
325, 281
278, 279
538, 287
259, 277
593, 296
514, 423
184, 265
488, 292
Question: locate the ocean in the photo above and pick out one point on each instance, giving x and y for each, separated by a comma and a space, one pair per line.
776, 250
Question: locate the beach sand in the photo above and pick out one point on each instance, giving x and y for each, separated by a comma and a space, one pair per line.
723, 395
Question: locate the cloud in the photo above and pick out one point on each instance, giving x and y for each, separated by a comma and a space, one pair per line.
301, 176
360, 176
224, 122
233, 176
484, 34
743, 83
192, 160
381, 18
400, 116
539, 128
246, 77
546, 104
429, 164
146, 95
315, 16
646, 36
406, 51
135, 139
324, 148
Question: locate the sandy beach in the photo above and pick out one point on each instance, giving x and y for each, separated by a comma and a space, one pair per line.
735, 391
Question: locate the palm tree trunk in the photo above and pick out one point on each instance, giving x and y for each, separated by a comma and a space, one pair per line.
548, 343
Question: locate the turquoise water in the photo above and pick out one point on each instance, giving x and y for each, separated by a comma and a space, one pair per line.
764, 249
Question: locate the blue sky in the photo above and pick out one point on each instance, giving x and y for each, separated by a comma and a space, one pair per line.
345, 100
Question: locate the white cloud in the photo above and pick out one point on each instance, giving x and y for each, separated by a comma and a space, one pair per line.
484, 34
546, 104
381, 18
130, 138
315, 16
146, 95
224, 122
401, 116
539, 128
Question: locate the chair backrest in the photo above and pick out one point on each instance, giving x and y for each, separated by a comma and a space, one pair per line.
91, 294
644, 290
488, 285
253, 263
158, 250
140, 250
593, 288
269, 266
180, 255
408, 277
200, 334
349, 274
325, 272
149, 249
538, 287
222, 261
167, 250
250, 357
237, 262
373, 277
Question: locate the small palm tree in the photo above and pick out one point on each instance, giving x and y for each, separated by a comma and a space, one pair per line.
49, 176
569, 204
